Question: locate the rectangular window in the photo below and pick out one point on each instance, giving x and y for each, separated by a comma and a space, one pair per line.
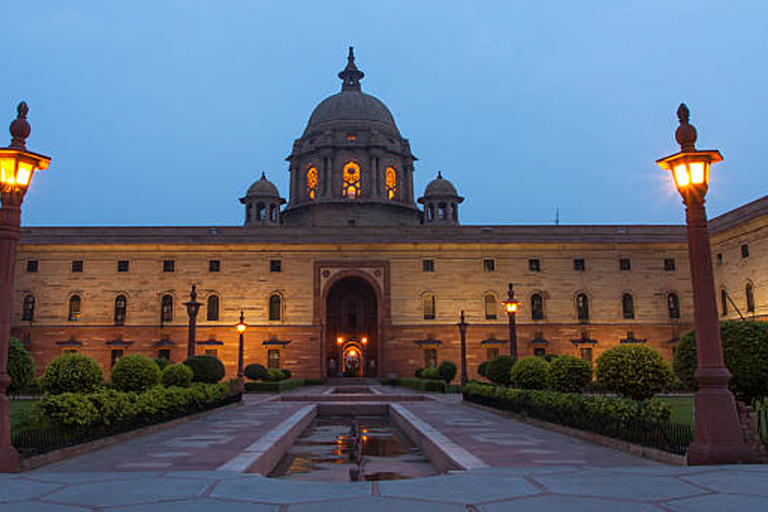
428, 265
31, 265
77, 265
586, 354
273, 358
214, 265
275, 265
169, 265
212, 352
164, 353
669, 264
430, 358
744, 250
539, 352
579, 265
70, 351
491, 353
122, 266
489, 265
625, 264
115, 354
719, 258
534, 265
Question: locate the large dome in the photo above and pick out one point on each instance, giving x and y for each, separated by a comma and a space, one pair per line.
351, 107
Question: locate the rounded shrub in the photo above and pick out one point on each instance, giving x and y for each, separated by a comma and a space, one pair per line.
530, 373
430, 373
21, 367
745, 349
162, 363
287, 373
255, 371
179, 375
135, 372
206, 369
275, 375
569, 374
482, 367
446, 371
633, 371
498, 370
75, 373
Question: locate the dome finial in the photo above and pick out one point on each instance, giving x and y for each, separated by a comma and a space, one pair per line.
685, 134
439, 175
351, 76
263, 176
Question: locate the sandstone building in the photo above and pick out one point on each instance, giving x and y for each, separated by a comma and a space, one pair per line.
356, 274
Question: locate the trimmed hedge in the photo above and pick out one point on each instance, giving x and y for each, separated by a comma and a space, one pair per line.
273, 386
429, 373
569, 374
482, 367
162, 363
207, 369
745, 350
447, 371
179, 375
255, 371
21, 367
433, 385
530, 373
633, 371
498, 370
73, 373
135, 372
275, 375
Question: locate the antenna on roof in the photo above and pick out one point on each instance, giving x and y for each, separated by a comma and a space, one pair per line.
557, 215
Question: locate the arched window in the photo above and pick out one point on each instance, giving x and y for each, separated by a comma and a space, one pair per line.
273, 212
212, 311
351, 177
166, 308
391, 182
249, 212
74, 308
28, 309
430, 212
628, 306
750, 294
491, 307
312, 183
275, 307
582, 307
260, 211
673, 306
537, 307
724, 301
121, 304
442, 211
428, 306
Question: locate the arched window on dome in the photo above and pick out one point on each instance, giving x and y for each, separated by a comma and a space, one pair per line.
391, 182
351, 180
273, 212
261, 210
442, 211
312, 183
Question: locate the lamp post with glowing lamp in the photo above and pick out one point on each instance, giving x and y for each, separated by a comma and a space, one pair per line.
511, 305
241, 326
718, 438
193, 307
17, 166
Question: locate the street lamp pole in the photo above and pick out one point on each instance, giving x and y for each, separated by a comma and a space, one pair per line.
718, 438
463, 331
17, 165
241, 326
511, 305
193, 307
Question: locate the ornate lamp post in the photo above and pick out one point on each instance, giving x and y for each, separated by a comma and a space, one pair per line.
193, 307
17, 165
241, 326
463, 331
511, 305
717, 433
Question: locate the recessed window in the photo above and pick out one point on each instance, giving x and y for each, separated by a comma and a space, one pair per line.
628, 306
74, 308
391, 182
169, 265
114, 355
719, 258
428, 306
430, 358
212, 310
673, 306
537, 307
625, 264
28, 309
744, 250
539, 352
273, 358
582, 307
491, 353
749, 291
121, 306
491, 307
275, 265
31, 265
77, 265
669, 264
312, 182
428, 265
534, 265
214, 265
724, 301
351, 136
166, 309
213, 352
351, 177
122, 266
579, 265
275, 307
164, 353
489, 265
586, 354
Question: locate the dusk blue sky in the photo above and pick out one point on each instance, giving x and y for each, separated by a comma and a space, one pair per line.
163, 112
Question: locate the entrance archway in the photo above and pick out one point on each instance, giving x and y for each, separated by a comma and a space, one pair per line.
351, 327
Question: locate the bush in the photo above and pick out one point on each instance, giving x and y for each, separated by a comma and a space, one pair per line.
417, 373
745, 349
70, 409
530, 373
482, 367
206, 369
179, 375
21, 367
314, 382
255, 371
275, 375
498, 370
287, 373
135, 372
633, 371
446, 371
569, 374
162, 363
430, 374
75, 373
274, 386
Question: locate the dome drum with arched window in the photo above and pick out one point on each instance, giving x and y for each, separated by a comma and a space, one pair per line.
262, 204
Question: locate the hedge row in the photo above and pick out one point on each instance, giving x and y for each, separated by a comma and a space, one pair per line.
280, 386
417, 384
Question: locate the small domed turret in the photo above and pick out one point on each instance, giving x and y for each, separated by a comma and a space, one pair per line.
441, 202
262, 203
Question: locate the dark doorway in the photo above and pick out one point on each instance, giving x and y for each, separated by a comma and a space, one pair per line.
351, 343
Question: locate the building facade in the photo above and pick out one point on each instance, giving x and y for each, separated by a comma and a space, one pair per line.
353, 275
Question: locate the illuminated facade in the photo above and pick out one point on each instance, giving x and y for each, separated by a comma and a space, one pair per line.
355, 276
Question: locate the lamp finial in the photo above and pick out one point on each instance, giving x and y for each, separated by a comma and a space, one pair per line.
686, 133
20, 127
